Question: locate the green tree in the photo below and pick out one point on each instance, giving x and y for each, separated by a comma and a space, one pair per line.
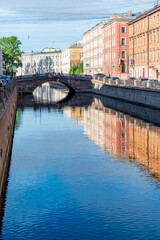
77, 69
11, 54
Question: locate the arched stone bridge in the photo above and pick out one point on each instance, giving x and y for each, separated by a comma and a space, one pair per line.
28, 83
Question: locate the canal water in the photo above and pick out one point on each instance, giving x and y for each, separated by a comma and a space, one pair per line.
81, 170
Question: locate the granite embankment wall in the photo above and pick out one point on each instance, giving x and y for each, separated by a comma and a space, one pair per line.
8, 104
148, 97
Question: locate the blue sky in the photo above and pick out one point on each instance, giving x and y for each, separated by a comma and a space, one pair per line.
57, 23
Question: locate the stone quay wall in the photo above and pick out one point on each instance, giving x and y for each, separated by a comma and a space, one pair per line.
143, 96
8, 104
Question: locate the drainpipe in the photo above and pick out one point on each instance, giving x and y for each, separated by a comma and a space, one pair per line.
133, 54
104, 52
148, 48
110, 49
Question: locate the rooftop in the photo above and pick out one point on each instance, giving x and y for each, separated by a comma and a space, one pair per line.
50, 49
145, 13
129, 16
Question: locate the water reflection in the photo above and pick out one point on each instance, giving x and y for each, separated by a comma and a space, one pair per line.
75, 113
50, 93
118, 134
124, 137
62, 186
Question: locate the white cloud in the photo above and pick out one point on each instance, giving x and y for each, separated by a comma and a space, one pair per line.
61, 21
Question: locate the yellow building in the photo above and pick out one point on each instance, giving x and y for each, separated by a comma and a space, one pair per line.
71, 56
144, 45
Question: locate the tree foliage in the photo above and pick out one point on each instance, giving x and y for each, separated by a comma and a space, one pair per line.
77, 69
11, 54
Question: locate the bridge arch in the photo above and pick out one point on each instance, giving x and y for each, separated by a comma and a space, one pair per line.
27, 84
29, 87
46, 92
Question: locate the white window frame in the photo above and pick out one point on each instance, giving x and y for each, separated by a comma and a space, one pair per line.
124, 52
121, 41
124, 28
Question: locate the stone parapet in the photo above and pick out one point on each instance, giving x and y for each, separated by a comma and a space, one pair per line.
8, 103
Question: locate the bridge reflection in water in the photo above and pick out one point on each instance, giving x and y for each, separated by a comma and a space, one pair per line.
47, 94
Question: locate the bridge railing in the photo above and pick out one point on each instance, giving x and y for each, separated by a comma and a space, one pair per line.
50, 76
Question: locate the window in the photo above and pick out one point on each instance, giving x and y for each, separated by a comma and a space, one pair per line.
150, 57
154, 56
157, 55
123, 29
123, 41
144, 25
157, 35
154, 20
123, 54
150, 37
150, 22
154, 37
141, 25
123, 68
158, 18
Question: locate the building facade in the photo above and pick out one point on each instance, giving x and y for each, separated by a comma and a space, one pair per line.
144, 45
71, 56
92, 49
106, 46
49, 60
116, 47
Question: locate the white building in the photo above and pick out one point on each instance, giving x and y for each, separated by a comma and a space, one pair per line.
92, 49
49, 60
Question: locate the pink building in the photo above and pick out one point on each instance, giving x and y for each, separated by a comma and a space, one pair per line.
116, 47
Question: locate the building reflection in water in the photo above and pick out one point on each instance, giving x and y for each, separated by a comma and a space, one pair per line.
50, 94
123, 137
76, 113
118, 134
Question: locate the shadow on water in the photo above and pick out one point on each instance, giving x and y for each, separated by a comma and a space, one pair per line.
70, 99
4, 187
